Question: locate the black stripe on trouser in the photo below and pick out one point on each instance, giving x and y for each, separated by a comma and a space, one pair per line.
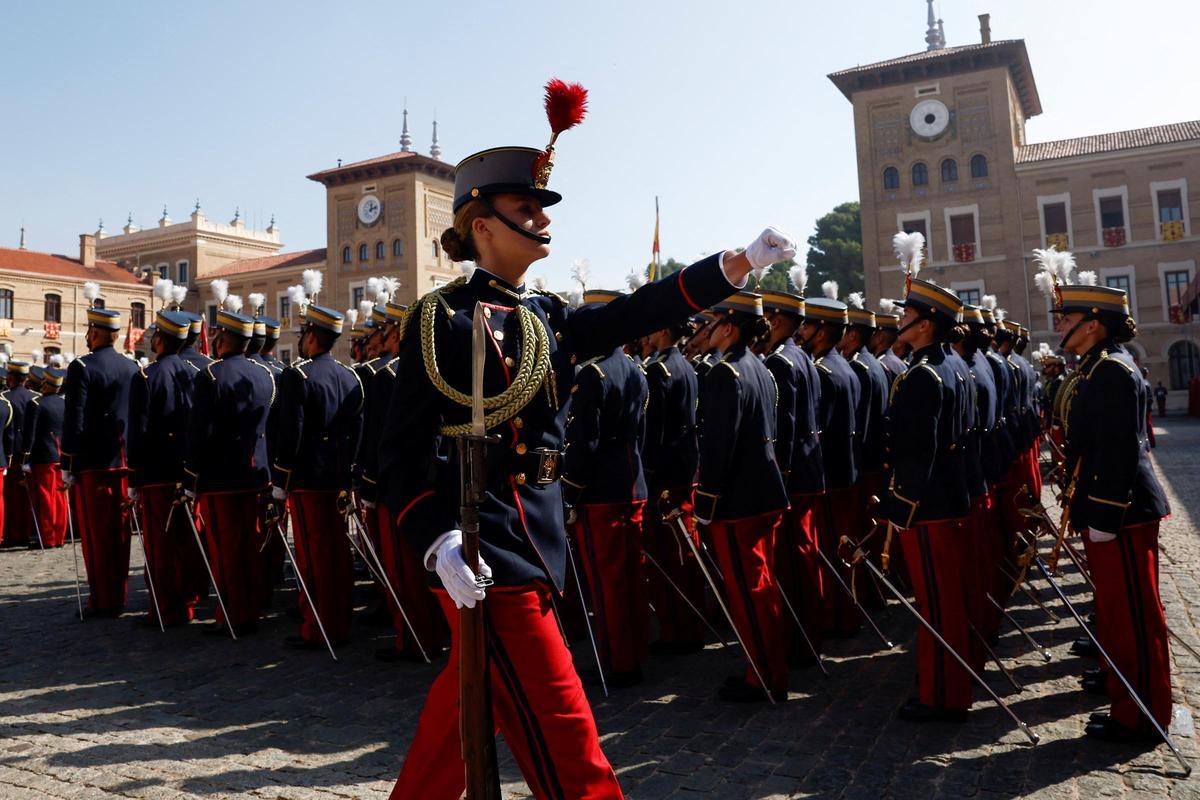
1141, 641
595, 588
935, 615
735, 559
309, 567
539, 752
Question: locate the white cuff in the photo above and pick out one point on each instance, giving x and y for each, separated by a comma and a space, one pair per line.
1100, 536
745, 278
430, 553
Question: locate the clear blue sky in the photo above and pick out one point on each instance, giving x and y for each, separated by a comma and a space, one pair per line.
721, 109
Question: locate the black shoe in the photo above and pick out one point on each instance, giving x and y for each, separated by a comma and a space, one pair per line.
300, 643
742, 692
1098, 716
215, 629
148, 621
390, 655
1083, 646
1109, 730
662, 648
378, 617
1094, 682
916, 712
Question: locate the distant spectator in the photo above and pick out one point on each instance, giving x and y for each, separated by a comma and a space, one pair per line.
1160, 394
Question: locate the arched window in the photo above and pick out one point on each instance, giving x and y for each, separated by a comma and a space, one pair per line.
362, 252
397, 248
979, 166
53, 308
6, 304
1184, 359
137, 315
949, 170
891, 178
346, 254
379, 251
437, 250
920, 174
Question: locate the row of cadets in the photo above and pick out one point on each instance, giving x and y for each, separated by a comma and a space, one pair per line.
500, 223
843, 506
227, 470
96, 419
883, 341
401, 566
798, 453
17, 528
319, 422
266, 335
8, 446
740, 497
160, 406
670, 459
39, 459
1117, 503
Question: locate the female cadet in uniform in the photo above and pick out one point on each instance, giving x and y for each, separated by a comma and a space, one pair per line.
741, 495
1117, 503
534, 342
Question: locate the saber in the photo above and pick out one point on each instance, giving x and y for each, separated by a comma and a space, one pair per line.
136, 529
679, 591
1042, 567
304, 587
381, 575
1044, 652
37, 528
675, 516
860, 557
833, 571
587, 616
803, 633
987, 648
207, 566
1025, 587
74, 553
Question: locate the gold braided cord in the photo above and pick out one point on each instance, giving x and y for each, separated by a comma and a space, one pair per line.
532, 370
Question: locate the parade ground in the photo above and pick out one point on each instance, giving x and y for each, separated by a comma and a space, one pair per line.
108, 708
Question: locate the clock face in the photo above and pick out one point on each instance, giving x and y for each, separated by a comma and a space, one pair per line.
369, 209
929, 118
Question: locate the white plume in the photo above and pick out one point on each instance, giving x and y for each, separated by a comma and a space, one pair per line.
1044, 281
855, 299
351, 317
887, 306
3, 357
143, 361
220, 290
798, 275
233, 303
35, 355
1044, 349
467, 268
999, 314
1046, 259
1065, 263
390, 286
374, 287
55, 360
163, 288
988, 301
91, 290
312, 280
381, 298
539, 283
574, 297
364, 309
908, 248
67, 356
581, 271
179, 294
636, 279
830, 289
298, 296
1087, 278
759, 272
256, 300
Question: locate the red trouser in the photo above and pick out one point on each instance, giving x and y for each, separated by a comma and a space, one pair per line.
99, 496
538, 705
324, 559
18, 526
797, 565
50, 503
1130, 623
411, 581
609, 537
233, 534
844, 509
992, 543
677, 624
933, 553
977, 569
172, 556
745, 550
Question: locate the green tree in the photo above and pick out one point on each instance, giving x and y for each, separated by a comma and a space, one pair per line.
835, 250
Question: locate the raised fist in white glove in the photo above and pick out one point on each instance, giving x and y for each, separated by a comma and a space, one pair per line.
457, 578
771, 247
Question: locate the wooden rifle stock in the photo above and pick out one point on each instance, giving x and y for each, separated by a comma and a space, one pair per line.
1064, 524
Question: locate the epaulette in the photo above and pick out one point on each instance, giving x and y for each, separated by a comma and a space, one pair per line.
662, 362
142, 369
391, 366
927, 368
546, 293
778, 353
300, 364
594, 363
732, 368
367, 364
1105, 357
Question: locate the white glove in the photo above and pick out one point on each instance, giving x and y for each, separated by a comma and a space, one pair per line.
700, 521
457, 577
278, 494
771, 246
189, 494
368, 505
68, 479
1100, 536
27, 469
132, 493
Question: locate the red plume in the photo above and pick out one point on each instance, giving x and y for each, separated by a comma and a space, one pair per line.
566, 104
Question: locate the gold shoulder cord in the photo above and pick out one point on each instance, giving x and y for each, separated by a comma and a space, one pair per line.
1063, 400
532, 370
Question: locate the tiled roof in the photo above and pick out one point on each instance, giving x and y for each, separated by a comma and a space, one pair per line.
59, 266
278, 261
1109, 142
914, 58
379, 162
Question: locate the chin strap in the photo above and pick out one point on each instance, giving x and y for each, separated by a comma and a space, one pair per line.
1062, 344
510, 224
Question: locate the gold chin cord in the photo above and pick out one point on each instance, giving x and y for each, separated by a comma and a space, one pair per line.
1064, 524
532, 373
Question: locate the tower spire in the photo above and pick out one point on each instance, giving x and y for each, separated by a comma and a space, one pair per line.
22, 237
405, 139
434, 150
933, 38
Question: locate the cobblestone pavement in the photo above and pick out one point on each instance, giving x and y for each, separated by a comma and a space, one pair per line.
108, 709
